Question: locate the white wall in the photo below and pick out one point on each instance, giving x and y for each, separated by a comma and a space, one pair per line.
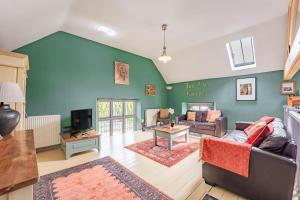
210, 59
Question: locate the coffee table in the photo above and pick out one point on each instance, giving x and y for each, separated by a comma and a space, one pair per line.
170, 133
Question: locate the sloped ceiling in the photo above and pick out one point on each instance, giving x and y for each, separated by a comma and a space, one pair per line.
196, 36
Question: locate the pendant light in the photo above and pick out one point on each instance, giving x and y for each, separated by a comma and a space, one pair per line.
164, 57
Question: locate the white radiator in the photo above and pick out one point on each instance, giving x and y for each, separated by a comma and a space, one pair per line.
46, 129
150, 117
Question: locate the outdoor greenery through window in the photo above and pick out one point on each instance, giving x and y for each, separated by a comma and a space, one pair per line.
116, 116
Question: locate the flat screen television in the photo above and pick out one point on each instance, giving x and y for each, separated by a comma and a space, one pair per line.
81, 120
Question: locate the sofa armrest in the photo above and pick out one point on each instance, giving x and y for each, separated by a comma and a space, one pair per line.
221, 126
264, 166
240, 125
271, 176
180, 117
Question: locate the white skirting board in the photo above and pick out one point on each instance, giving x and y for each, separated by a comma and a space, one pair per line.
46, 129
150, 117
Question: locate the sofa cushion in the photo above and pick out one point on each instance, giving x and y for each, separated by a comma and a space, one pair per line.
164, 113
259, 135
277, 123
257, 126
273, 144
236, 135
267, 119
204, 116
205, 126
191, 116
198, 116
212, 115
276, 141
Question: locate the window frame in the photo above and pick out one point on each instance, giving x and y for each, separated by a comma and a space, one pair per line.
122, 117
248, 65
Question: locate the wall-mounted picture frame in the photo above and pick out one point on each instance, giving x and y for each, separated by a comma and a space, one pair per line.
150, 90
121, 73
246, 89
288, 87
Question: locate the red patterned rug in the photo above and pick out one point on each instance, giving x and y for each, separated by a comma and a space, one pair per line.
161, 154
100, 179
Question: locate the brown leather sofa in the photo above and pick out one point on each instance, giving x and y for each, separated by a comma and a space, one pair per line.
271, 175
201, 125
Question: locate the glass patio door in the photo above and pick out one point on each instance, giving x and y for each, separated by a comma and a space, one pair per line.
116, 116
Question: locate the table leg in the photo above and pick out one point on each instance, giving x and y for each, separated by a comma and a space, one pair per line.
155, 138
170, 143
187, 136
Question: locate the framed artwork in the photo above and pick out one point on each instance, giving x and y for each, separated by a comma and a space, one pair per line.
288, 87
246, 89
121, 73
150, 90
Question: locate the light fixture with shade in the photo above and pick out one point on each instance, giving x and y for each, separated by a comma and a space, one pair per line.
9, 118
164, 57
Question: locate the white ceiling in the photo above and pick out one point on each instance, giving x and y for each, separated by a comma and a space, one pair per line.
196, 36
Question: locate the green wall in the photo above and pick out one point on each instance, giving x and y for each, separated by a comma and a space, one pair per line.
223, 92
68, 72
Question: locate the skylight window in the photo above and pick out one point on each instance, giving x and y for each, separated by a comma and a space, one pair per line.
241, 53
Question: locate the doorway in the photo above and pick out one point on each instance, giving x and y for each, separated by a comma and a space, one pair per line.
116, 116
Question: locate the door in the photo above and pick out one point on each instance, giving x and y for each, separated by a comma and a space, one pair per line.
116, 116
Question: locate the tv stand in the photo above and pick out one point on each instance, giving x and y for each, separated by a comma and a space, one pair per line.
84, 141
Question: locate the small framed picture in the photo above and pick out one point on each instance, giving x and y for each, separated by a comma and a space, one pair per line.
246, 89
150, 90
121, 73
288, 87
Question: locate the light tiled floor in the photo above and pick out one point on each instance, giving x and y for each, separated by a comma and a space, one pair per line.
182, 181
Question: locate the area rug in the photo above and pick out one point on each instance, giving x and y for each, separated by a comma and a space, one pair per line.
104, 178
161, 154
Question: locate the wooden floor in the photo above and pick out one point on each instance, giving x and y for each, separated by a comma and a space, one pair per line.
182, 181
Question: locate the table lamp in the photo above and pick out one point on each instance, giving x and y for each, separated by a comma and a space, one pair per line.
9, 118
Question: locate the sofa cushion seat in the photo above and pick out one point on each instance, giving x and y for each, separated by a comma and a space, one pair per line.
186, 122
205, 126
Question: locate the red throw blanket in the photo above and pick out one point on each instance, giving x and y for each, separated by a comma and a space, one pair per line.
227, 154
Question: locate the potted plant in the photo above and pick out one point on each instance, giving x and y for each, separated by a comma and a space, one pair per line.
171, 111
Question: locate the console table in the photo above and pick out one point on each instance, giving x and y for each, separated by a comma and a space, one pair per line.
18, 166
83, 142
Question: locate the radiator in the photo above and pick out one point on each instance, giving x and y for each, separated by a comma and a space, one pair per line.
46, 129
150, 117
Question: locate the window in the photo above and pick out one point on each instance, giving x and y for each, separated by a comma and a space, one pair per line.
116, 116
201, 106
241, 53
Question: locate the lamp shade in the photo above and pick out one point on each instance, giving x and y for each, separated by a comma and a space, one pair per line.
10, 93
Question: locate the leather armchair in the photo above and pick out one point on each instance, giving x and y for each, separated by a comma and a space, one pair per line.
163, 121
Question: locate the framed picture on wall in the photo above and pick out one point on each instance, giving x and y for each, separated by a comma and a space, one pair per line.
246, 89
288, 87
121, 73
150, 90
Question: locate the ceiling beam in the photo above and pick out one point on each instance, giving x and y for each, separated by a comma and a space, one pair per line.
292, 16
291, 68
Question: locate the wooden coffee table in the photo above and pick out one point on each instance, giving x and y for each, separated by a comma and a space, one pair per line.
170, 133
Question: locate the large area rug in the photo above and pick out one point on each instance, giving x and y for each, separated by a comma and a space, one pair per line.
161, 154
100, 179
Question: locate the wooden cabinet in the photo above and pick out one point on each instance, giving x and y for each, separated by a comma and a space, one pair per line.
13, 68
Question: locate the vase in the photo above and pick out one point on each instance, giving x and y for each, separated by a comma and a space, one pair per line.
9, 119
172, 124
